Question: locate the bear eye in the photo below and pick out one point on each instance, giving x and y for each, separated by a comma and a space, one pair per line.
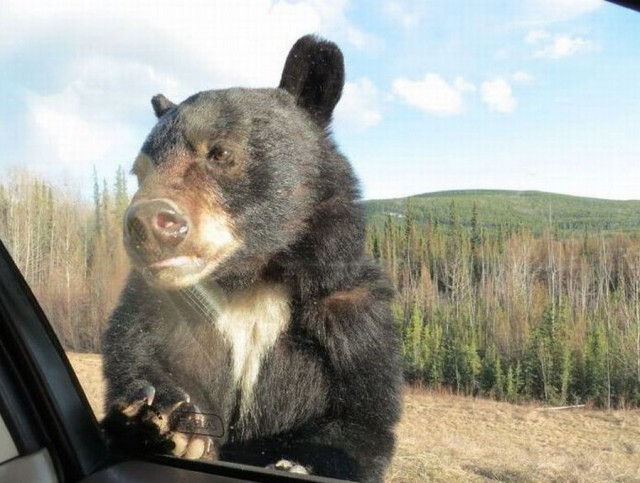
220, 154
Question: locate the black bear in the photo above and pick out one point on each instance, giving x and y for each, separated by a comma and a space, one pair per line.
253, 327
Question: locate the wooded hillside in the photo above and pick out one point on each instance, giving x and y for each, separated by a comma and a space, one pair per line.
535, 211
505, 313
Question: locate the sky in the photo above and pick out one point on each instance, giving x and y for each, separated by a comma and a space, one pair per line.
440, 95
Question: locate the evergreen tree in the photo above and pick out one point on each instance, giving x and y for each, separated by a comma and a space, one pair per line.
413, 344
511, 386
596, 367
96, 203
121, 197
433, 353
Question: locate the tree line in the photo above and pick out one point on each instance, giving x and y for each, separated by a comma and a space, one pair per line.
515, 316
498, 312
70, 252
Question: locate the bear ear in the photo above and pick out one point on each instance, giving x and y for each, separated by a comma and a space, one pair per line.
161, 105
314, 75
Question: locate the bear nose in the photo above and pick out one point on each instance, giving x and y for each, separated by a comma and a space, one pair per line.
159, 219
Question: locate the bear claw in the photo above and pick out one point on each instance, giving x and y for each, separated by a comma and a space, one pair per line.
289, 467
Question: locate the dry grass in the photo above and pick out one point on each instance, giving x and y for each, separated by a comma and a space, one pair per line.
88, 368
444, 438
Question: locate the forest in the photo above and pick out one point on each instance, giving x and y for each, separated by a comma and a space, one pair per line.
490, 309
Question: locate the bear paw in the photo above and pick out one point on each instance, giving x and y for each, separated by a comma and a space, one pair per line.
289, 467
139, 427
190, 433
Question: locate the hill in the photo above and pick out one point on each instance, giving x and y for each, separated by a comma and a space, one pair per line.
533, 210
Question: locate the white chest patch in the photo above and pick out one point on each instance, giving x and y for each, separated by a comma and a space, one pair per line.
252, 320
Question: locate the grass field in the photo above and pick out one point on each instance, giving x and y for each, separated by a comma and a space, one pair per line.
444, 438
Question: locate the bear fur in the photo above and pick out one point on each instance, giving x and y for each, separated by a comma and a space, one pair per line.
252, 311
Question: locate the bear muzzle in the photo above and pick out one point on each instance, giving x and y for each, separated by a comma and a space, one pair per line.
153, 229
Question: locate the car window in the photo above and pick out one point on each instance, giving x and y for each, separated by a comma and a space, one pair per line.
368, 253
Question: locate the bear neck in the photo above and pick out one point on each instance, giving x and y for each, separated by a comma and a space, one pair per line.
328, 252
326, 258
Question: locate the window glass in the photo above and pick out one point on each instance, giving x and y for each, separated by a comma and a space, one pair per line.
499, 164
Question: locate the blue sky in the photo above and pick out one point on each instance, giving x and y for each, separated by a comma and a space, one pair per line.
518, 94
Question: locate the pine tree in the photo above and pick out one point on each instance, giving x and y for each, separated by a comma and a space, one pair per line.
433, 353
511, 390
121, 197
96, 203
413, 343
596, 367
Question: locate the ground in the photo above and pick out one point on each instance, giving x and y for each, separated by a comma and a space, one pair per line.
444, 438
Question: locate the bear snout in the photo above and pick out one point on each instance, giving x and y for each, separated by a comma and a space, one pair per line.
154, 227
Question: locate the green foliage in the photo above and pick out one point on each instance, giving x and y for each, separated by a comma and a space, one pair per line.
413, 353
433, 350
514, 311
548, 361
596, 370
511, 386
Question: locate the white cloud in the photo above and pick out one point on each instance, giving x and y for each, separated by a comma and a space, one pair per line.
92, 119
96, 108
213, 35
523, 77
97, 82
359, 106
563, 46
433, 94
63, 138
497, 94
556, 46
333, 22
228, 43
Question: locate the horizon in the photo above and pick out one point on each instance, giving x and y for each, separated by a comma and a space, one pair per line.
499, 191
538, 95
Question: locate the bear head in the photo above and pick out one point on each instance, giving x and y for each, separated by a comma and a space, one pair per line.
228, 178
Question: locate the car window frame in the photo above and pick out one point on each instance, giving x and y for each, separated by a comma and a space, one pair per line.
45, 385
